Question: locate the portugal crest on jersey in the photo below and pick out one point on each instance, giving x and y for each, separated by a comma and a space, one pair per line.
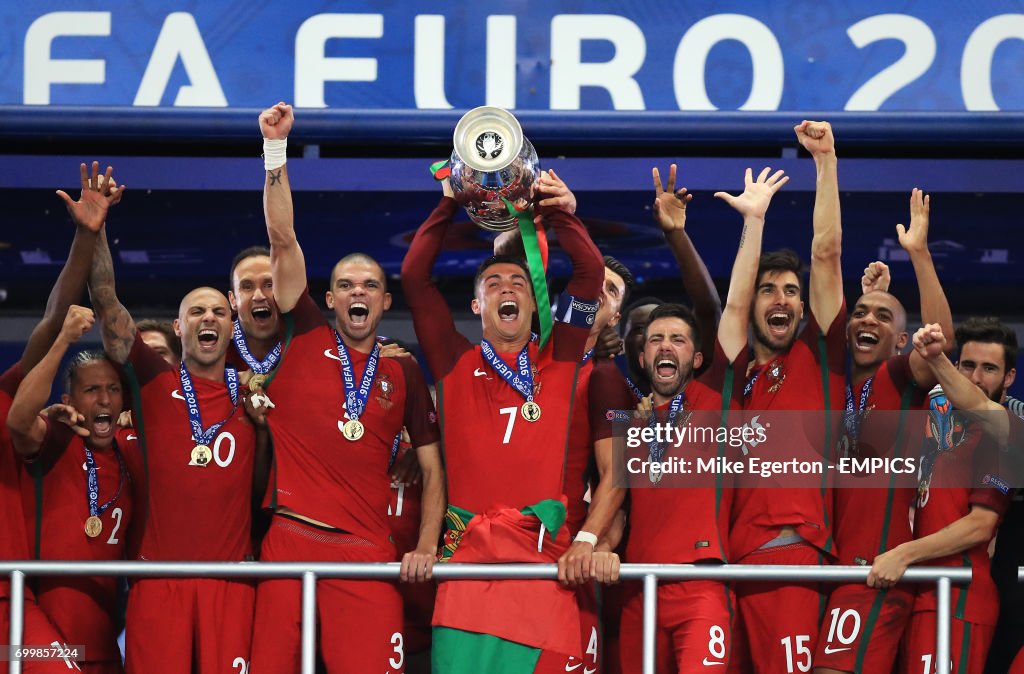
385, 387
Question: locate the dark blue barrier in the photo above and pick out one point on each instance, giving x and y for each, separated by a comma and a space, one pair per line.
600, 130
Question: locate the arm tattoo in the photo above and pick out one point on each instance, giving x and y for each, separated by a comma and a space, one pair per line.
117, 325
275, 178
743, 235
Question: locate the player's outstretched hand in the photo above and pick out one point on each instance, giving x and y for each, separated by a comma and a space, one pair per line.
929, 342
417, 566
67, 415
604, 567
276, 122
876, 277
99, 193
609, 344
669, 203
816, 137
78, 322
757, 194
574, 567
555, 193
915, 240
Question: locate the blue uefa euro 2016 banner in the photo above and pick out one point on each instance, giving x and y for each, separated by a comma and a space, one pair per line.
562, 55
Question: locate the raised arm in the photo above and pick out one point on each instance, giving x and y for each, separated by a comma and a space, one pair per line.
585, 284
670, 214
116, 324
752, 205
27, 428
435, 328
930, 345
934, 305
89, 213
288, 265
826, 286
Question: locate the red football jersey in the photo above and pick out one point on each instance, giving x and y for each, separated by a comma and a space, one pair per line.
82, 608
792, 381
494, 457
319, 473
940, 504
600, 387
13, 540
864, 514
193, 513
676, 523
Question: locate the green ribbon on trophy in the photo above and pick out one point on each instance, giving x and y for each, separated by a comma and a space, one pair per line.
535, 261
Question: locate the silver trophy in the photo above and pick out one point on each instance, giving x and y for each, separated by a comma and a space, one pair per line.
491, 162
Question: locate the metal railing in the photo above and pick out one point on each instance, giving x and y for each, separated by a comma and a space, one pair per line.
309, 573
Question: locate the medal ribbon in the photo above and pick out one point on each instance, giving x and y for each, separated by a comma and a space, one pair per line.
257, 366
522, 382
535, 245
587, 356
853, 418
637, 393
95, 510
657, 449
355, 400
200, 436
750, 384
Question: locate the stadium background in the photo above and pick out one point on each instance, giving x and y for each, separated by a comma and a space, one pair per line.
919, 94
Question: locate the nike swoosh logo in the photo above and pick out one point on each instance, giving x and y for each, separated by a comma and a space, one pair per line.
587, 670
479, 373
131, 437
573, 668
175, 394
708, 663
829, 650
329, 354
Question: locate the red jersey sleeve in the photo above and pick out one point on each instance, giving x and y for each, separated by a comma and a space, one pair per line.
608, 391
898, 368
722, 371
306, 315
146, 362
10, 380
835, 340
431, 317
585, 284
420, 417
992, 474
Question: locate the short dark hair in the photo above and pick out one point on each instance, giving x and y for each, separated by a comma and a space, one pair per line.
989, 329
245, 254
501, 259
78, 361
165, 328
623, 271
360, 257
681, 312
779, 261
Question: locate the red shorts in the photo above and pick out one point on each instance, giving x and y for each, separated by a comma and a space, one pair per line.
781, 619
590, 631
1018, 663
360, 620
694, 628
169, 619
613, 598
968, 645
863, 628
38, 631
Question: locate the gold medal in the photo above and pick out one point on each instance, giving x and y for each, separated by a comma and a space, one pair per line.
201, 456
256, 382
93, 526
922, 491
655, 473
352, 430
530, 411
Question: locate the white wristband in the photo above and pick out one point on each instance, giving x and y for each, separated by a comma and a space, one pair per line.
586, 537
275, 153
